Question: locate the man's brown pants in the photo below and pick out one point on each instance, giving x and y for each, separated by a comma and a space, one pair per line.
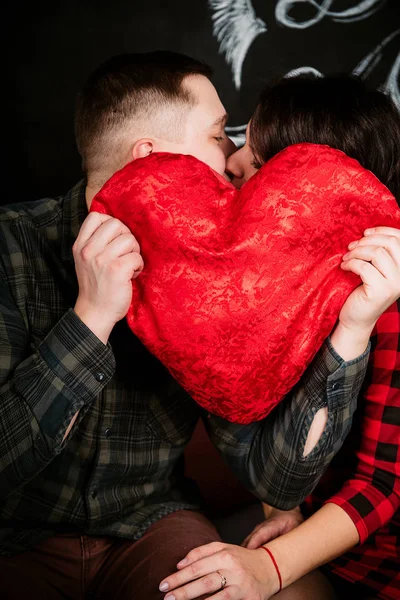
71, 567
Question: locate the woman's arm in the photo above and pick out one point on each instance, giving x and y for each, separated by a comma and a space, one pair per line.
251, 574
371, 497
325, 535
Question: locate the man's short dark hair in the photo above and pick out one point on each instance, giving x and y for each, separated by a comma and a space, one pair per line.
339, 111
131, 88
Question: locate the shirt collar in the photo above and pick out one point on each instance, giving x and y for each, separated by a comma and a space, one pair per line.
75, 212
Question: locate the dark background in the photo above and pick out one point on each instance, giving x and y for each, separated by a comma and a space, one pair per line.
52, 47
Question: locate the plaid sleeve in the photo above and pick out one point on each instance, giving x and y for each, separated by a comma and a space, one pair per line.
372, 496
41, 388
267, 456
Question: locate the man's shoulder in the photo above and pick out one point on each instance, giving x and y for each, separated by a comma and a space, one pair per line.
39, 212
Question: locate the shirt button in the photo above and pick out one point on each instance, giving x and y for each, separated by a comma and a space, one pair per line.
94, 494
99, 377
108, 432
334, 387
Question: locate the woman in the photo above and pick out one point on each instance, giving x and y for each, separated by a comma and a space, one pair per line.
361, 489
362, 486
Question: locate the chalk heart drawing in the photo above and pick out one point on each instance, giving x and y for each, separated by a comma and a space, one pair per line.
236, 26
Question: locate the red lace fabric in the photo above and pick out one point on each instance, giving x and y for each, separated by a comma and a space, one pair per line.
241, 288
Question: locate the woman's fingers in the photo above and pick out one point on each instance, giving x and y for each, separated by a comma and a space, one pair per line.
369, 275
378, 256
200, 552
382, 230
209, 584
390, 243
200, 568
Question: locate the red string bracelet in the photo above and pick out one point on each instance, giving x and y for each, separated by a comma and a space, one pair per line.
275, 565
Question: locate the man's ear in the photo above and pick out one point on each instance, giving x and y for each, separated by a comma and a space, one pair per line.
142, 148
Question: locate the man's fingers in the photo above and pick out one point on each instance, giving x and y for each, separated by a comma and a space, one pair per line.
90, 224
268, 532
130, 265
252, 533
121, 245
255, 535
256, 540
94, 239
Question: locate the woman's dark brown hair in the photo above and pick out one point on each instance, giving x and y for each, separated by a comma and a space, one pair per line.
339, 111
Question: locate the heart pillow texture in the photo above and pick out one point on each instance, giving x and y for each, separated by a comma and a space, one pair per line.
241, 287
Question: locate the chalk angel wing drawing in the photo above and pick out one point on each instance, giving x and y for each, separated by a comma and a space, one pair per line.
235, 25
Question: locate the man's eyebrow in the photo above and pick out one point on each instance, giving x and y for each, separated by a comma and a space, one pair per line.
220, 121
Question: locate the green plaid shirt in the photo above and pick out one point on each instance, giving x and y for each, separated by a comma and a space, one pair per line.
121, 467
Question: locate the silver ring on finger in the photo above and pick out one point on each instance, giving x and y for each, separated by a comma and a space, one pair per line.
223, 580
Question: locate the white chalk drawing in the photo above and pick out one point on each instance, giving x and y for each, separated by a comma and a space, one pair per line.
363, 70
362, 10
237, 134
304, 71
236, 26
391, 86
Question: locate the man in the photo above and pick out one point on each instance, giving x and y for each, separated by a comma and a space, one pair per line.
92, 428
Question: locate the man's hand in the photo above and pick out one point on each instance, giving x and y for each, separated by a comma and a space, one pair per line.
107, 258
278, 523
376, 259
249, 574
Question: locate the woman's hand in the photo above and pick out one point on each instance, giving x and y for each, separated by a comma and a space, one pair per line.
278, 523
376, 259
249, 574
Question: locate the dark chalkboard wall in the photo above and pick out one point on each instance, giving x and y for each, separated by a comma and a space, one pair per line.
52, 47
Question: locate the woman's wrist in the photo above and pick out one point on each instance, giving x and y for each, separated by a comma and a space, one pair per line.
272, 577
350, 342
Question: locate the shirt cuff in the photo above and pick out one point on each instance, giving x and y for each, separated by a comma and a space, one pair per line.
338, 375
70, 368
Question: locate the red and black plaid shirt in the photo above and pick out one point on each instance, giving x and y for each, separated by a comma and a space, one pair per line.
364, 478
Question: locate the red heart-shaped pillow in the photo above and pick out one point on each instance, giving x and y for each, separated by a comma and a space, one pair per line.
240, 288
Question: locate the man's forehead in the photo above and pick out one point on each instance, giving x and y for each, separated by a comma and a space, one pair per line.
221, 120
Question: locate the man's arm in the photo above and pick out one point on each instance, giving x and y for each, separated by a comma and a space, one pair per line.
45, 388
42, 388
268, 456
